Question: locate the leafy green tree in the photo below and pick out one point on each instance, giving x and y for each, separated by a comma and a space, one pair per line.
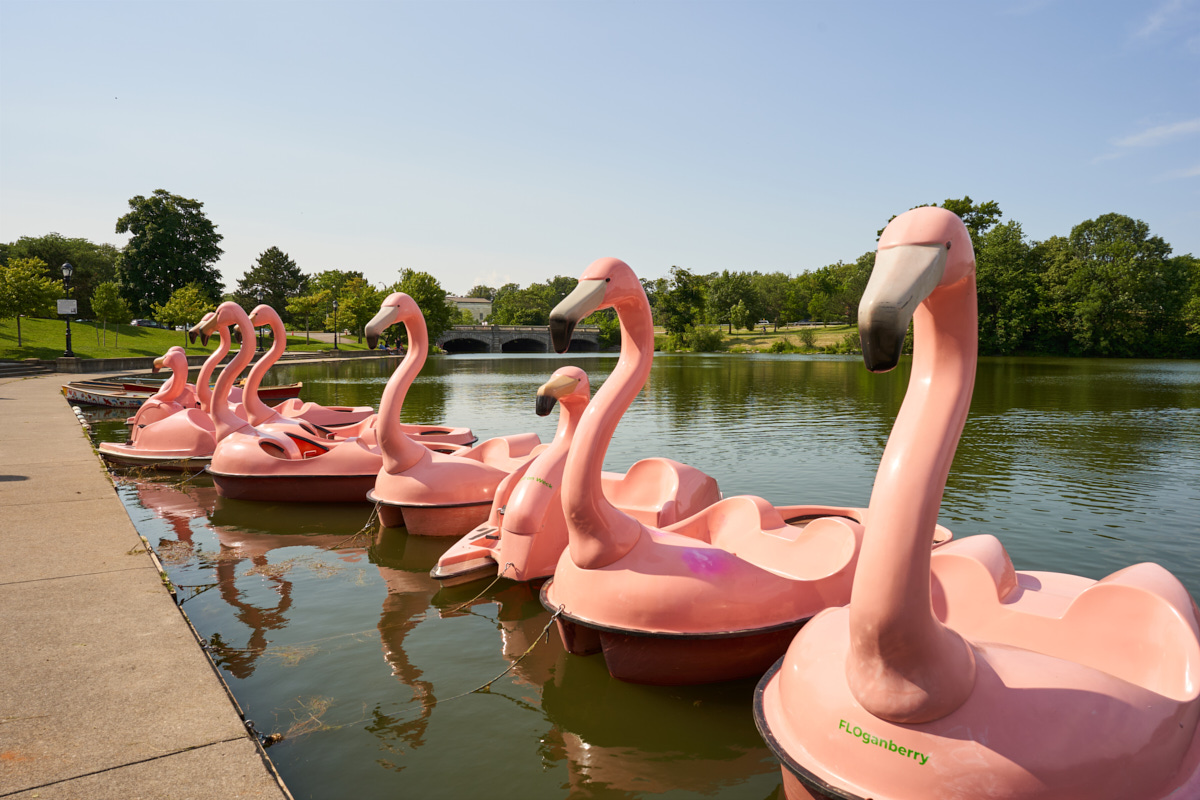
740, 316
173, 244
1010, 289
725, 291
108, 306
529, 306
93, 263
1115, 290
682, 304
306, 307
185, 307
357, 304
332, 280
771, 293
479, 290
430, 296
274, 279
24, 289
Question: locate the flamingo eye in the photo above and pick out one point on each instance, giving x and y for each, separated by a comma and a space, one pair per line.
947, 245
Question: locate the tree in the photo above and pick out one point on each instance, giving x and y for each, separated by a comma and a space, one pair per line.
94, 263
1115, 290
479, 290
357, 304
1009, 280
173, 245
727, 290
681, 306
771, 294
109, 306
186, 306
305, 307
430, 297
740, 316
332, 280
24, 289
273, 280
529, 306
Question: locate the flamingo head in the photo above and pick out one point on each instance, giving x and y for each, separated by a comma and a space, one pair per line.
196, 332
396, 307
227, 314
920, 251
606, 283
263, 314
565, 382
174, 357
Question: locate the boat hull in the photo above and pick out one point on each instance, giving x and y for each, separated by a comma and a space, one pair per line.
431, 520
294, 488
674, 659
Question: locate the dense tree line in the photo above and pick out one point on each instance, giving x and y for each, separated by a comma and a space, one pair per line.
1108, 288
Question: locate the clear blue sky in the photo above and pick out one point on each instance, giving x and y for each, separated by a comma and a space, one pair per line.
489, 142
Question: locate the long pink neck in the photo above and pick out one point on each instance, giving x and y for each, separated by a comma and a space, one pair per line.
174, 386
905, 665
599, 532
399, 450
258, 412
224, 420
204, 391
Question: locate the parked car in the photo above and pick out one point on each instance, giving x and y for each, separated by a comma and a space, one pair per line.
148, 323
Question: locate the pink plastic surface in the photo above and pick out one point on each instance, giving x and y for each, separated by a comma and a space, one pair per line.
952, 675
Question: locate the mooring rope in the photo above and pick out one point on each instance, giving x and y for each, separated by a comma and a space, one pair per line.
499, 575
367, 528
487, 686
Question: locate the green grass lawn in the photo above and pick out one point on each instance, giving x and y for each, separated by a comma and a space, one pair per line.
46, 339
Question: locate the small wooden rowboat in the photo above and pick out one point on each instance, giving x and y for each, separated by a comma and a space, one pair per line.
132, 395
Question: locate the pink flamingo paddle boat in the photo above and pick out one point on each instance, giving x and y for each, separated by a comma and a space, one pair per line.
182, 439
428, 492
259, 413
412, 363
951, 675
717, 596
173, 396
279, 461
526, 532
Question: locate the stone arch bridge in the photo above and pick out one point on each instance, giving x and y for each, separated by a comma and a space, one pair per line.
513, 339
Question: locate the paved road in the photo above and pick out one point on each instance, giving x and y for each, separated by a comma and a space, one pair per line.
104, 690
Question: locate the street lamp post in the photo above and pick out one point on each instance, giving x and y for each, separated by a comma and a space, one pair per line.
335, 328
67, 271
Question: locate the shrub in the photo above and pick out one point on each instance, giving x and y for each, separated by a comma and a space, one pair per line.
808, 338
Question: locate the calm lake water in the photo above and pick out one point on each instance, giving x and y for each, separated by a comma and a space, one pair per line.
345, 645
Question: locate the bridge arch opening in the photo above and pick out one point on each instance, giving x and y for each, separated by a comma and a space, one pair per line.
453, 346
584, 346
524, 346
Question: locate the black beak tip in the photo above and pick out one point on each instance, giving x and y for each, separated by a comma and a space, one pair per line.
560, 333
372, 341
192, 337
545, 404
881, 349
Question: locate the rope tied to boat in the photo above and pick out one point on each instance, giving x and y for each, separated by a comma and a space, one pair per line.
487, 687
486, 589
369, 527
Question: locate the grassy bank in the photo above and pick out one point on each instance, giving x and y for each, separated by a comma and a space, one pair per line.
46, 339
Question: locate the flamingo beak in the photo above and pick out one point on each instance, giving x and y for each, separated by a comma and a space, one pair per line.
903, 277
549, 392
582, 301
158, 364
378, 324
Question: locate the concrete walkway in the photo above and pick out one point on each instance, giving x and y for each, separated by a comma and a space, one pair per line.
104, 690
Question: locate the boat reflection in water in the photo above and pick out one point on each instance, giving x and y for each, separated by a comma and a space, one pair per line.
609, 738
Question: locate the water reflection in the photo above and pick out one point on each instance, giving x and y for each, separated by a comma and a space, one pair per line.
1077, 466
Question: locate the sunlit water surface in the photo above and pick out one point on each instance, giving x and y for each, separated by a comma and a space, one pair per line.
344, 645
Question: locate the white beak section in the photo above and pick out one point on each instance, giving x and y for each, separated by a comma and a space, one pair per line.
582, 301
901, 280
378, 324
